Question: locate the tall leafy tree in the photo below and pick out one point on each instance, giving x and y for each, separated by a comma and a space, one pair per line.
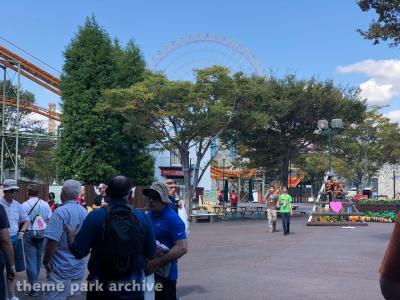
180, 115
93, 145
387, 27
279, 121
367, 146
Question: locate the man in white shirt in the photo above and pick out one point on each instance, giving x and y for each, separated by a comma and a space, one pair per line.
39, 213
19, 222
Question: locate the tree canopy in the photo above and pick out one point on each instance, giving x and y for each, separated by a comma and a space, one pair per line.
181, 115
368, 145
278, 123
387, 27
93, 145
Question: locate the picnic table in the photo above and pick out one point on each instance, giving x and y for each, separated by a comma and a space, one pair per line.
218, 209
259, 210
232, 210
251, 210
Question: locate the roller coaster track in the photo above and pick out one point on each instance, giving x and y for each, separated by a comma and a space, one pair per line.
37, 75
30, 71
51, 114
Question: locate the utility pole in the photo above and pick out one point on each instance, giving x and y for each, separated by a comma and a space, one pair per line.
2, 125
17, 133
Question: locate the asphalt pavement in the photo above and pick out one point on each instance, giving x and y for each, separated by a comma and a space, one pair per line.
240, 260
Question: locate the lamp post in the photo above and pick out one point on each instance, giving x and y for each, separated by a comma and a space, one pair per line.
223, 175
323, 129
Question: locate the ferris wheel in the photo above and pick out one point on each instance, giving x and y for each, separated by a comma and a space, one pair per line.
179, 58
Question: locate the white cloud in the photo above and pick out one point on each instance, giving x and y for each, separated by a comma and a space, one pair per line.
394, 115
384, 83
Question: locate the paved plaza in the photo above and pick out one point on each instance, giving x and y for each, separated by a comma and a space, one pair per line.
239, 260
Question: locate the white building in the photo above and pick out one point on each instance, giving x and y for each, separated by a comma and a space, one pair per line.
168, 166
386, 185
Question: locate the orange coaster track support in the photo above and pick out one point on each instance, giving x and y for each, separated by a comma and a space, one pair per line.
49, 113
30, 71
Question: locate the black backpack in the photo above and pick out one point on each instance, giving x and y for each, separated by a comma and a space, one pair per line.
122, 242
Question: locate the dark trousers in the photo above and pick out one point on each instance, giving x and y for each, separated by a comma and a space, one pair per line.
2, 283
390, 290
168, 291
285, 222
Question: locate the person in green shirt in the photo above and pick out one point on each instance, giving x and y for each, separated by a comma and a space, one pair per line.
285, 204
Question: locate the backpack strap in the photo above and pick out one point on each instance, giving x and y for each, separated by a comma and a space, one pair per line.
33, 221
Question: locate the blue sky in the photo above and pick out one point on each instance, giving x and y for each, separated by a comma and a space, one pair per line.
308, 37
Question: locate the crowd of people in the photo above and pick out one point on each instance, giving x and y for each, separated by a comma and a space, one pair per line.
126, 251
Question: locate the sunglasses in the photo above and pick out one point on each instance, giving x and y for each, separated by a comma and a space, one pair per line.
11, 191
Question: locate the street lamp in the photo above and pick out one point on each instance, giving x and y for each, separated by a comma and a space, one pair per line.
223, 174
323, 129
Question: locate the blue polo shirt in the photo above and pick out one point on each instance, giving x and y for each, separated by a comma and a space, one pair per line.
90, 238
168, 228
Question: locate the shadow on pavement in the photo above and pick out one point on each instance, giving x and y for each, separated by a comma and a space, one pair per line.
189, 289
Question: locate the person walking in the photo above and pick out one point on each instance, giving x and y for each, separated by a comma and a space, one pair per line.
39, 213
170, 233
6, 248
285, 204
63, 269
271, 200
120, 239
19, 222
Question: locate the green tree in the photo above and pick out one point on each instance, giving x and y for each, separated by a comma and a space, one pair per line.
93, 145
314, 166
40, 163
367, 146
27, 126
180, 115
129, 63
278, 123
387, 27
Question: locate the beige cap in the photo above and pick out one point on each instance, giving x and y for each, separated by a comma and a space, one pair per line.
161, 189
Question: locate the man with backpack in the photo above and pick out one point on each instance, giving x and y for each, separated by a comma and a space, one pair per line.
39, 213
63, 270
120, 239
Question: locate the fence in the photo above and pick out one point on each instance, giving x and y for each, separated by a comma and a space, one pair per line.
22, 195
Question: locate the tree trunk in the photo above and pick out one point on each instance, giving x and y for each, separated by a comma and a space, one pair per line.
186, 180
285, 172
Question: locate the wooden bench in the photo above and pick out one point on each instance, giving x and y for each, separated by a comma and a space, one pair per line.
196, 217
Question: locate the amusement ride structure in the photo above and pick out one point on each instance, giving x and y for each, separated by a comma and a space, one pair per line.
178, 60
21, 66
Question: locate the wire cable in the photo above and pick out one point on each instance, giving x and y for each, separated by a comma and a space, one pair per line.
38, 59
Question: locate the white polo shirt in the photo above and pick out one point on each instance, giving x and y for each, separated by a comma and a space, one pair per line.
15, 214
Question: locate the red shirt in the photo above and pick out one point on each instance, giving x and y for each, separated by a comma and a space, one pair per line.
234, 198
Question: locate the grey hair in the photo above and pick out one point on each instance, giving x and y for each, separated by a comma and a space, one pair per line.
71, 189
